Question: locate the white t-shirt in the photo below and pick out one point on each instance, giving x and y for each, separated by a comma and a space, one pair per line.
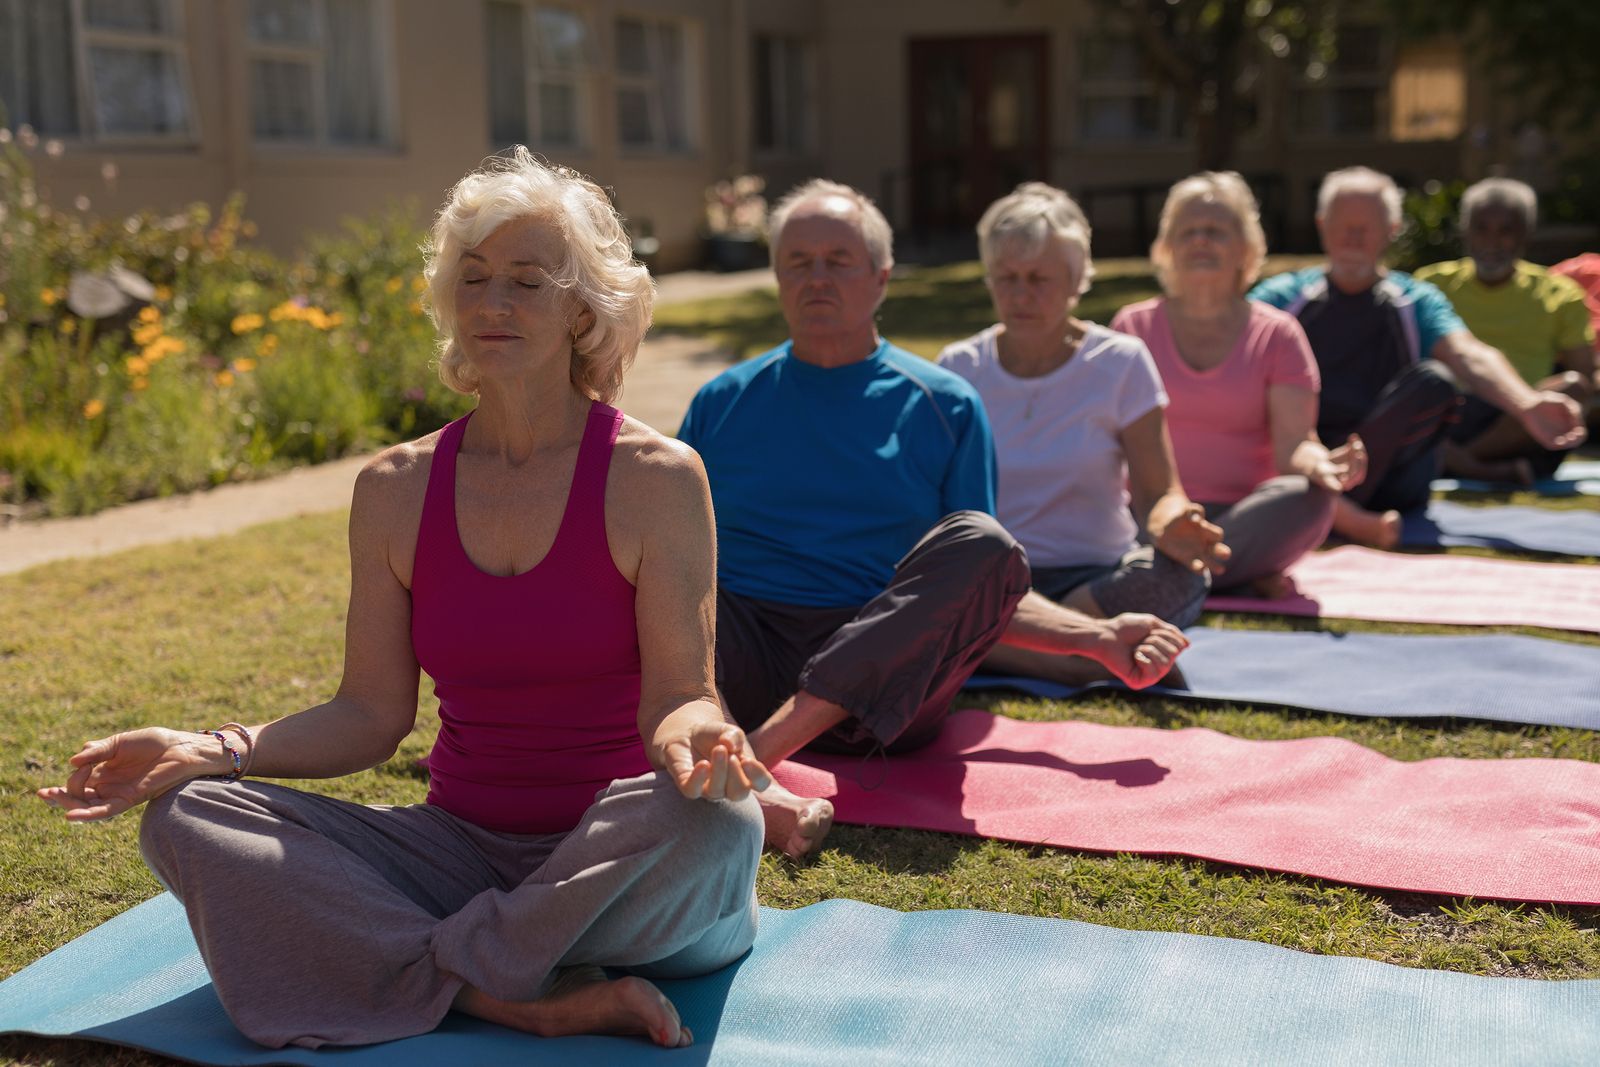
1063, 488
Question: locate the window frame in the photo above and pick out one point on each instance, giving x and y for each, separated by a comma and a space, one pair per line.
689, 30
581, 78
1378, 80
786, 146
85, 38
315, 54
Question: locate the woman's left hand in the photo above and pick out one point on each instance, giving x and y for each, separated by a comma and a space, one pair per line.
1345, 466
711, 760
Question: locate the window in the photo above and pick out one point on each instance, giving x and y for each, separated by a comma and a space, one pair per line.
653, 100
540, 67
1117, 101
319, 71
1345, 95
1428, 93
105, 70
784, 76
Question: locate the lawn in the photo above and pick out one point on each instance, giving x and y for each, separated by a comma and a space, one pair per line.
249, 626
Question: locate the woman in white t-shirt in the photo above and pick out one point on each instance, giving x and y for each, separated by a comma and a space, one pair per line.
1079, 429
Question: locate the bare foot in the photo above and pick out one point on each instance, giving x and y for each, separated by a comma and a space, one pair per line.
1274, 586
795, 825
585, 1001
1379, 529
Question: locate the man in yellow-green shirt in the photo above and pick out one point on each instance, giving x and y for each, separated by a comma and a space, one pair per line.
1536, 318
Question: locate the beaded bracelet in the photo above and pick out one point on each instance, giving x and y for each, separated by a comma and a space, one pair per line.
233, 753
249, 744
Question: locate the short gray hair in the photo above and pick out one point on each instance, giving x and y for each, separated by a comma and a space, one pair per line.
598, 268
1508, 193
874, 227
1364, 181
1027, 217
1228, 190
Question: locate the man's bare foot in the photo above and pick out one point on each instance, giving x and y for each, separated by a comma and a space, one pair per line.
795, 825
1273, 586
585, 1001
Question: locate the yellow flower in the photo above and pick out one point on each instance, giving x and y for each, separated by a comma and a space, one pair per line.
148, 314
147, 334
136, 365
162, 347
392, 286
335, 319
140, 384
2, 300
416, 308
93, 408
48, 297
163, 293
68, 327
223, 379
246, 323
418, 284
267, 345
244, 365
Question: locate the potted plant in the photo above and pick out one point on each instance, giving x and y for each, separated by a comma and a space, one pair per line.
736, 224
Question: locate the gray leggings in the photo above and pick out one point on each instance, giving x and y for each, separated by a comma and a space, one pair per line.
1142, 580
327, 922
1281, 520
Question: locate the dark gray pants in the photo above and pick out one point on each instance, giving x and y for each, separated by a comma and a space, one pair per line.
1403, 434
895, 663
327, 922
1280, 521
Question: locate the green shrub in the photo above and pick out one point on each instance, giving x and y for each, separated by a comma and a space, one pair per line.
1429, 233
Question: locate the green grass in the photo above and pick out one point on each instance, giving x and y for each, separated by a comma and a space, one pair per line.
252, 625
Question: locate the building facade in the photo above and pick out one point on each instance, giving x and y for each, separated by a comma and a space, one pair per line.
320, 109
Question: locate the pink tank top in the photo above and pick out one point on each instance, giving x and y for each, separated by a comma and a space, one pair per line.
537, 674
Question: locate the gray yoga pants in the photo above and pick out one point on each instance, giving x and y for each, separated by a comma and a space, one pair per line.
1142, 580
895, 663
1281, 520
327, 922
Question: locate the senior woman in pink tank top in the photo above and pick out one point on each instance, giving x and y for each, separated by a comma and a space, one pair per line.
549, 563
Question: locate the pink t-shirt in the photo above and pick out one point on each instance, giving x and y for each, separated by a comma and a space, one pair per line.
1218, 417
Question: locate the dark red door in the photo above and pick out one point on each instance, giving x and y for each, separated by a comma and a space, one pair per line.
979, 124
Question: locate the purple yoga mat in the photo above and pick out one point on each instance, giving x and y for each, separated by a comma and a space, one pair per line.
1360, 583
1511, 829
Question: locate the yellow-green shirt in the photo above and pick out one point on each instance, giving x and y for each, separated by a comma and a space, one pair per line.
1532, 317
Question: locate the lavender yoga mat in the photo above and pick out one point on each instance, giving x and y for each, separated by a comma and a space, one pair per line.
1360, 583
1559, 533
1514, 829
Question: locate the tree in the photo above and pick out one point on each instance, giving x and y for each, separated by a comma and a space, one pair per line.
1201, 48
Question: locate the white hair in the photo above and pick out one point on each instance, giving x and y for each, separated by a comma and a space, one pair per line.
1362, 181
874, 227
1227, 190
1517, 197
598, 267
1027, 217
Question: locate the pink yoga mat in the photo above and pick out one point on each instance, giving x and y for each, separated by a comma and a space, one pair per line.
1513, 829
1360, 583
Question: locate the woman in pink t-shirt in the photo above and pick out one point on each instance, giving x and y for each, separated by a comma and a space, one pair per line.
1242, 384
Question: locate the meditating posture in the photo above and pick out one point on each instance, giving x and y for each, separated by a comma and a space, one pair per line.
1392, 352
861, 575
1533, 316
549, 562
1243, 386
1079, 427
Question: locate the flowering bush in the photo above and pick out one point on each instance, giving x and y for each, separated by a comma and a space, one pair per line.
155, 354
736, 208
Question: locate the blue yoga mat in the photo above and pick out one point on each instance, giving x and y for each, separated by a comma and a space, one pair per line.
1497, 677
846, 983
1564, 533
1576, 477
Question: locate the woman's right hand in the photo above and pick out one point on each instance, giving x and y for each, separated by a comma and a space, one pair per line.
1193, 542
124, 770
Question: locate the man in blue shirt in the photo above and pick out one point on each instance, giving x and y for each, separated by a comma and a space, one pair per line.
1392, 351
861, 575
